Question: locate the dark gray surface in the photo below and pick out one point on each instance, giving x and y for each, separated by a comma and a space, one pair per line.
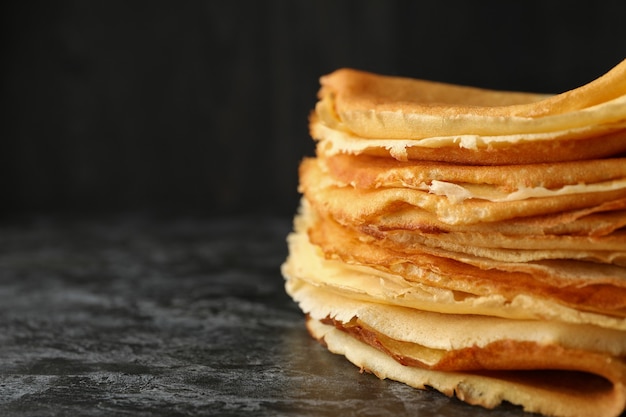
172, 317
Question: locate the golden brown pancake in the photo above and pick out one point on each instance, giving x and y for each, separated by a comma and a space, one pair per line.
371, 172
307, 262
377, 106
551, 392
599, 220
364, 113
359, 206
547, 367
587, 286
477, 150
469, 240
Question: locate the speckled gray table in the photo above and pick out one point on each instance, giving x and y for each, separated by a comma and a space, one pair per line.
142, 316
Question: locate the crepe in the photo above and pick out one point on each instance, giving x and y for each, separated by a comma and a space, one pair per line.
355, 205
576, 394
364, 113
583, 285
308, 263
481, 359
503, 183
469, 240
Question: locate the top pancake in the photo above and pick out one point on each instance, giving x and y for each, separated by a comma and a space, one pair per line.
409, 104
364, 113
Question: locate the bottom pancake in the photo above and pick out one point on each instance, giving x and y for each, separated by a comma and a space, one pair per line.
556, 393
550, 367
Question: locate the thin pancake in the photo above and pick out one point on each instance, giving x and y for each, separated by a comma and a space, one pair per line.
552, 393
361, 206
407, 119
478, 150
512, 182
600, 220
306, 263
377, 106
571, 365
585, 286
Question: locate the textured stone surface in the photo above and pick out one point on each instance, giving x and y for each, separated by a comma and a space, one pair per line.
171, 317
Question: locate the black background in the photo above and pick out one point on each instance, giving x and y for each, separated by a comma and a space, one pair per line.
202, 106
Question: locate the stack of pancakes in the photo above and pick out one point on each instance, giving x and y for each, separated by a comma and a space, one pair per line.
469, 240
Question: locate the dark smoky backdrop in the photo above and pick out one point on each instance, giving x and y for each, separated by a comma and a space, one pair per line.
202, 106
